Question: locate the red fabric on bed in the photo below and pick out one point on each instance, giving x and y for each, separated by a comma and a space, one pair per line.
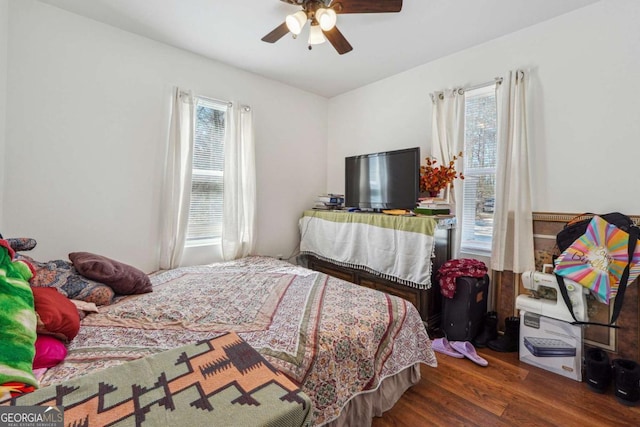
58, 315
16, 388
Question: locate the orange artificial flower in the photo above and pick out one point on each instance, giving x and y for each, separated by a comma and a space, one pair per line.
434, 178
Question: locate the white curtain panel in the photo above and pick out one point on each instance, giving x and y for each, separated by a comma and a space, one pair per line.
448, 140
512, 243
177, 180
239, 216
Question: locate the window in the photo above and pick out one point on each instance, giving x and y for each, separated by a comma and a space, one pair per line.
205, 209
480, 155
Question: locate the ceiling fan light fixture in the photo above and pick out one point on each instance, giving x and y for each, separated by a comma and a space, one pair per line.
315, 35
323, 17
296, 21
327, 18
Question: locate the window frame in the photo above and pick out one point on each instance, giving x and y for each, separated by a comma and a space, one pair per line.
216, 238
469, 243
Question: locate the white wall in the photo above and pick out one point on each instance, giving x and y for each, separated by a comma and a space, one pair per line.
4, 34
86, 135
85, 132
586, 131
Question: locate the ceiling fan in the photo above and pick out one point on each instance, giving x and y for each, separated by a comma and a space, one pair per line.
323, 16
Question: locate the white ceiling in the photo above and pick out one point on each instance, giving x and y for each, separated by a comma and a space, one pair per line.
383, 44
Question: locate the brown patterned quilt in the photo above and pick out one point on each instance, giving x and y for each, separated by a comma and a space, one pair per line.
334, 339
222, 381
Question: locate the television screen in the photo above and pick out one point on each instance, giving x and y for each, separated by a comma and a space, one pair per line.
387, 180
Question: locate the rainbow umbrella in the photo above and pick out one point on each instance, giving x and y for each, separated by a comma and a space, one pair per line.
597, 259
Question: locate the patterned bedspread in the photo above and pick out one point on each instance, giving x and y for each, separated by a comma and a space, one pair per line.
334, 339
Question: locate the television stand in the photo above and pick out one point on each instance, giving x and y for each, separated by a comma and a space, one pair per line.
428, 302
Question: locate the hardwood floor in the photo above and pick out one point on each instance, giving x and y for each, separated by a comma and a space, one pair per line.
506, 393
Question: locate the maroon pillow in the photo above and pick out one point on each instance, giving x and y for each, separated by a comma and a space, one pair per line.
122, 278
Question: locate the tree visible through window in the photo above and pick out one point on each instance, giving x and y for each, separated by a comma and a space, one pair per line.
205, 211
480, 152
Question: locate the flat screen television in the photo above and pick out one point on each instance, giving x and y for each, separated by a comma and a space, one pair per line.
386, 180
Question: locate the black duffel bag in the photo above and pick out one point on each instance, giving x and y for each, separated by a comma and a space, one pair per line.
575, 228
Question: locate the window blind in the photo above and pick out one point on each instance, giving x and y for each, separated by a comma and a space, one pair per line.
205, 210
480, 154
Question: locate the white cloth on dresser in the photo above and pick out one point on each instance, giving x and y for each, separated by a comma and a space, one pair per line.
396, 247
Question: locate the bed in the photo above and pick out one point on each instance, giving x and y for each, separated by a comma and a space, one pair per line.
353, 351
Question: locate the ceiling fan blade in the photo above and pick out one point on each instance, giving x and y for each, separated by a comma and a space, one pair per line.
276, 34
338, 40
367, 6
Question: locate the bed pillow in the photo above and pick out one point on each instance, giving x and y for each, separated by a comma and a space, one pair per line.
22, 244
49, 352
57, 315
65, 278
122, 278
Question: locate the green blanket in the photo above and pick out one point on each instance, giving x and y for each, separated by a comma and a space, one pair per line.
17, 320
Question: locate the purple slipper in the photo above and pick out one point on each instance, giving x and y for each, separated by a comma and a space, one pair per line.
468, 350
441, 345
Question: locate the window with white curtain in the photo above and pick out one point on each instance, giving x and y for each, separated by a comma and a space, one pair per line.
480, 154
205, 209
